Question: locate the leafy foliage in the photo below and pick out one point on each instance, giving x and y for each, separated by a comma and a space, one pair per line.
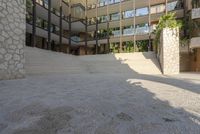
142, 45
166, 21
129, 46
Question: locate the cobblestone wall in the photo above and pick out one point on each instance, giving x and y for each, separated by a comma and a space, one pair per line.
169, 51
12, 38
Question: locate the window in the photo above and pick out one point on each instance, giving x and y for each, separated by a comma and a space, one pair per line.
78, 12
128, 30
128, 14
116, 31
157, 9
46, 3
115, 16
102, 19
142, 29
195, 3
142, 11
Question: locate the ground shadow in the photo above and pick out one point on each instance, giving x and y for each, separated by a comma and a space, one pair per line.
109, 99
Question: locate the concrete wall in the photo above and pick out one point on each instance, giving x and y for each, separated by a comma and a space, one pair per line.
169, 51
195, 60
12, 38
185, 62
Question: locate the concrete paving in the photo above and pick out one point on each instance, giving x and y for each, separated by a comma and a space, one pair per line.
91, 100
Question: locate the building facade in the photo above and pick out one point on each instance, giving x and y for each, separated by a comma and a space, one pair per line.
82, 27
95, 26
194, 35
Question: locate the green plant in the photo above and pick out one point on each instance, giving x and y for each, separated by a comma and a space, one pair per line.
166, 21
29, 5
129, 46
142, 45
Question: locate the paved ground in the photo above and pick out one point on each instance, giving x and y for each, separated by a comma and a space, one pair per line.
121, 101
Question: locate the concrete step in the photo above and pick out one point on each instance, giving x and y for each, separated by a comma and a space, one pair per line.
40, 61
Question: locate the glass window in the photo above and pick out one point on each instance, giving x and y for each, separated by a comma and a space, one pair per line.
128, 14
195, 3
115, 16
46, 3
142, 29
78, 12
129, 30
142, 11
102, 19
174, 5
157, 9
171, 6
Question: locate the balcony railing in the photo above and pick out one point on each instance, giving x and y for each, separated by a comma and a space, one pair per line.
142, 30
195, 13
116, 33
128, 31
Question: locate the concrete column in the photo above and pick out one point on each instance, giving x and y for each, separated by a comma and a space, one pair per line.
12, 38
108, 36
70, 26
86, 27
134, 45
70, 29
49, 25
149, 47
166, 1
34, 23
97, 23
96, 45
120, 25
86, 32
61, 29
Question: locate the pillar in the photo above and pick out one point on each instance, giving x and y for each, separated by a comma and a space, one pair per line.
34, 24
49, 25
61, 29
169, 51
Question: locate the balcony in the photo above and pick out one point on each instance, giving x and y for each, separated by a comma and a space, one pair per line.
116, 33
195, 13
128, 31
142, 30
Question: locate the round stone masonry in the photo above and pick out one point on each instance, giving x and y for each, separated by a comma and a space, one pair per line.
12, 38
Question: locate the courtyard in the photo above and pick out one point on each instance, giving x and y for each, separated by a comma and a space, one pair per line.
102, 96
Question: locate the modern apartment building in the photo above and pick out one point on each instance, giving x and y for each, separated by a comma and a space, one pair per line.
194, 34
101, 26
95, 26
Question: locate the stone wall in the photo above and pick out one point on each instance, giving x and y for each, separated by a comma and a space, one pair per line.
12, 38
169, 51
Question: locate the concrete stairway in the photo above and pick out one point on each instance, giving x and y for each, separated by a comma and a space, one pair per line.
40, 61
